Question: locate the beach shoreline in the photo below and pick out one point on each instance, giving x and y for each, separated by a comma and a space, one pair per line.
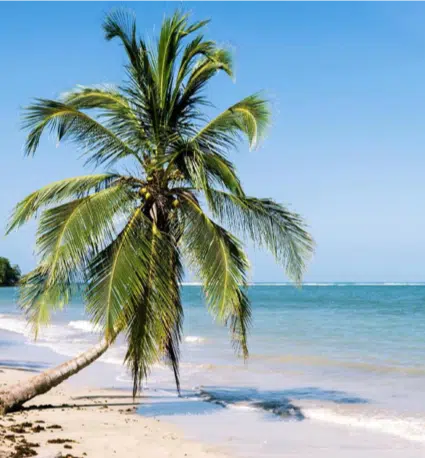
315, 385
92, 422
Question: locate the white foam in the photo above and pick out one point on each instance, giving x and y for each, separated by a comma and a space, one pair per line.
114, 355
384, 284
194, 339
342, 284
124, 378
319, 284
65, 339
409, 428
20, 326
14, 325
86, 326
243, 406
270, 284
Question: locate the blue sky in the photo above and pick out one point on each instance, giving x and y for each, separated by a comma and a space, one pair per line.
346, 148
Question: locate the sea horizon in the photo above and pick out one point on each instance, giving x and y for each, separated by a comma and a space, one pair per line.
325, 283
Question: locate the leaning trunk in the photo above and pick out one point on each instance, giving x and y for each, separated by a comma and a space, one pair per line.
17, 395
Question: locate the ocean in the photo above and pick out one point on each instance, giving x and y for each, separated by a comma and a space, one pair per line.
343, 357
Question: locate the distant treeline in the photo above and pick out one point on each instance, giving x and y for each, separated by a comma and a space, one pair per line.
9, 275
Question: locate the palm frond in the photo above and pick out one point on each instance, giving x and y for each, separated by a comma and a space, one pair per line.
248, 117
218, 259
56, 192
38, 301
204, 169
268, 224
115, 109
153, 318
121, 24
67, 237
198, 47
175, 331
186, 105
132, 289
98, 142
116, 275
98, 97
142, 88
173, 30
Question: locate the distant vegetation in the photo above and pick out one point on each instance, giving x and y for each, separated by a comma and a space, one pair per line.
9, 275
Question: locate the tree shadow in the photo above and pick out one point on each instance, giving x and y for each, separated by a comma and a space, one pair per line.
78, 406
28, 366
238, 394
279, 403
177, 407
114, 396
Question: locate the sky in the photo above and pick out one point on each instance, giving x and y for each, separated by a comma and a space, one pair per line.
346, 145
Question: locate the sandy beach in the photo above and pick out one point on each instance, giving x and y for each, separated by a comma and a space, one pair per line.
73, 422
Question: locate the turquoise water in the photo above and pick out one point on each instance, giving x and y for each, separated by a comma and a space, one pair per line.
382, 325
339, 353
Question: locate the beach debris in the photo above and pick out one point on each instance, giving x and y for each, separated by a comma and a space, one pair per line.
26, 424
20, 428
30, 444
68, 455
23, 450
60, 441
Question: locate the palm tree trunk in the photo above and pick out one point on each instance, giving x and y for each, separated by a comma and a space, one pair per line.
13, 398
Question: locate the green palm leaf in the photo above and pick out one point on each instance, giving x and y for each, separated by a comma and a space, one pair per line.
189, 96
154, 319
37, 301
70, 232
67, 237
56, 192
116, 109
101, 144
250, 117
116, 274
204, 169
219, 261
268, 224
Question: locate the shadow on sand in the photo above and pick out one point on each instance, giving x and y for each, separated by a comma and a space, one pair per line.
29, 366
206, 400
281, 403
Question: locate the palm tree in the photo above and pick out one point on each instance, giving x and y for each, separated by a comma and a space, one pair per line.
124, 236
